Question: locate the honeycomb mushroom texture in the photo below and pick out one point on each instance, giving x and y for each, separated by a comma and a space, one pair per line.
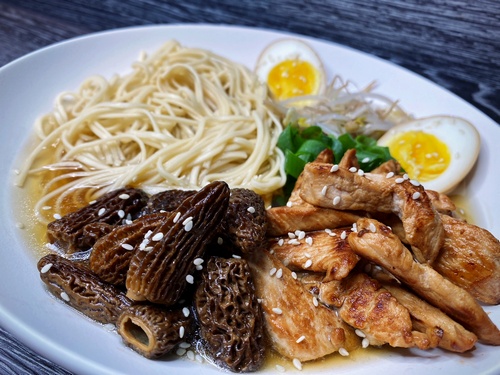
161, 271
80, 288
111, 254
229, 315
111, 208
245, 224
153, 331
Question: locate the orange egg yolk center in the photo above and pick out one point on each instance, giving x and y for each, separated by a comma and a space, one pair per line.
292, 78
423, 156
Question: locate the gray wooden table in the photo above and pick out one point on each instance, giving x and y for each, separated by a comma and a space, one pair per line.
455, 43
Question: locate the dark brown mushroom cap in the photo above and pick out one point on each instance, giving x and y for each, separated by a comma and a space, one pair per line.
112, 208
154, 331
161, 271
229, 315
76, 285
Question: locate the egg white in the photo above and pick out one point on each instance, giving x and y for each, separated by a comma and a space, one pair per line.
460, 136
287, 49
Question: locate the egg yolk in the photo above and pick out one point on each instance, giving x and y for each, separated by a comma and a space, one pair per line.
423, 156
291, 78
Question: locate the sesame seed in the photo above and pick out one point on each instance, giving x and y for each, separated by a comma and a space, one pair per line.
294, 241
416, 195
277, 310
127, 246
102, 211
372, 228
187, 220
273, 271
343, 236
336, 200
323, 191
361, 172
279, 273
365, 160
148, 248
309, 241
198, 261
181, 332
57, 216
143, 244
251, 210
236, 256
343, 352
406, 177
300, 234
280, 368
300, 339
360, 333
297, 364
121, 214
65, 296
92, 202
46, 268
128, 221
291, 235
124, 196
308, 263
46, 208
307, 255
389, 175
399, 180
184, 345
220, 241
148, 234
328, 230
334, 168
180, 352
294, 275
365, 343
353, 169
157, 237
315, 301
185, 311
289, 204
281, 241
176, 217
199, 267
414, 182
190, 355
190, 279
354, 227
188, 226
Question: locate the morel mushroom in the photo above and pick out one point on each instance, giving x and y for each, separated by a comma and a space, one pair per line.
153, 331
167, 200
245, 224
81, 289
112, 208
229, 315
111, 254
161, 272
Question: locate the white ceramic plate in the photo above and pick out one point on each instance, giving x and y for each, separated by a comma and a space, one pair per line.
27, 89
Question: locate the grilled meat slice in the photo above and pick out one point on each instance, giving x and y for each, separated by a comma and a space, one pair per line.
318, 251
306, 217
369, 192
290, 313
432, 321
366, 306
470, 258
376, 242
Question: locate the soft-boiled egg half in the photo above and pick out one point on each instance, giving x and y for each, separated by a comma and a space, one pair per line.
437, 151
291, 68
